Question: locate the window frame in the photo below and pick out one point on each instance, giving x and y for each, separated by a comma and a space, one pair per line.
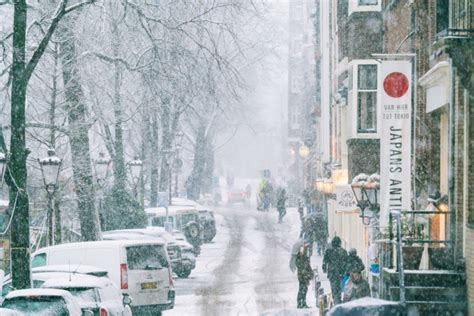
353, 100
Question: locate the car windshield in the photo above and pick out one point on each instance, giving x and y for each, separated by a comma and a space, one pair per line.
188, 218
38, 305
146, 257
160, 221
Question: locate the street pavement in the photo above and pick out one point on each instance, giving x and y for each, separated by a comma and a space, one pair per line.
245, 271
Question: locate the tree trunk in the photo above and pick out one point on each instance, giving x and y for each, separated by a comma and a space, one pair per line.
209, 168
166, 140
17, 173
154, 177
199, 163
120, 174
78, 136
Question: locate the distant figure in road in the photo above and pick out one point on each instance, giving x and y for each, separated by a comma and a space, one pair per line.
334, 264
357, 287
305, 274
281, 205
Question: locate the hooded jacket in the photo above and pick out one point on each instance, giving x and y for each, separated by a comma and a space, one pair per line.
335, 260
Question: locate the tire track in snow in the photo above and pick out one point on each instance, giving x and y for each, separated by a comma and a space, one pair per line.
213, 300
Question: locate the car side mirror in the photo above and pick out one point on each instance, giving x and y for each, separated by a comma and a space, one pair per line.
127, 299
87, 312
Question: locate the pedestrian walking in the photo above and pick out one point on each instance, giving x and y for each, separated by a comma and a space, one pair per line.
354, 261
334, 264
281, 205
357, 287
305, 275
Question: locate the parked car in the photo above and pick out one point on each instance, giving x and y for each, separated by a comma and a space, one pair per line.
183, 260
40, 274
237, 196
140, 267
43, 302
208, 224
206, 218
97, 294
183, 218
174, 250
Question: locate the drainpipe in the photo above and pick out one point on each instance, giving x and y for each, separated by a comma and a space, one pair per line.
451, 162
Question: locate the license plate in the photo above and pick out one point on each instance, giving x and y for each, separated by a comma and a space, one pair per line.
149, 285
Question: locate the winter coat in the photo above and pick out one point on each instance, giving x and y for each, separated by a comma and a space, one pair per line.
357, 290
354, 263
305, 272
334, 262
281, 201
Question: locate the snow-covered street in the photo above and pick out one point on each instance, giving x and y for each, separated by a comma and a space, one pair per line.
245, 271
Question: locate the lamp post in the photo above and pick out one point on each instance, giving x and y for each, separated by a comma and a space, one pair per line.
168, 155
50, 167
366, 191
135, 168
101, 168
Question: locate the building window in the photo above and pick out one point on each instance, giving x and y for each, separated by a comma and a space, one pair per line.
368, 2
367, 99
442, 15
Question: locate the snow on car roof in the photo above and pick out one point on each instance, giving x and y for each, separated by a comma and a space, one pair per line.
101, 244
74, 268
9, 312
172, 210
140, 233
76, 281
39, 292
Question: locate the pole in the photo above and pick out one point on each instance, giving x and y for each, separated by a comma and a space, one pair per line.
50, 220
401, 272
170, 184
57, 221
176, 184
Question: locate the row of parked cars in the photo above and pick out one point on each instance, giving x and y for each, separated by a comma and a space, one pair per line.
128, 272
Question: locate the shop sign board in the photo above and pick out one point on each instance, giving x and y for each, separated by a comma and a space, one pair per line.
395, 137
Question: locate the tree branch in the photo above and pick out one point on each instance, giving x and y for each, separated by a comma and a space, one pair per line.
60, 12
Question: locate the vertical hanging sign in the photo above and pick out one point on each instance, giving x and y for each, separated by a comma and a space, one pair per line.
395, 137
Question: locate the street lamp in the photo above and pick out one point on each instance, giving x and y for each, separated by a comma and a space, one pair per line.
328, 187
50, 167
135, 168
101, 168
320, 185
366, 191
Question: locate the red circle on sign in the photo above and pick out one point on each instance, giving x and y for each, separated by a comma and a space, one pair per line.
395, 84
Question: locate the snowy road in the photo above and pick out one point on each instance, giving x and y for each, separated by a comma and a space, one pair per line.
245, 270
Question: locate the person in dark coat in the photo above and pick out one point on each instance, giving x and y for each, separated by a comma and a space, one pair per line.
305, 274
334, 264
354, 262
357, 287
281, 205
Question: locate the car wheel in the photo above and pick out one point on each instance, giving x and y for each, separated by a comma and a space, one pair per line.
183, 273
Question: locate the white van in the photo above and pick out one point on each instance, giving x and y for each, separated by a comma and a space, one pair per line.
140, 268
